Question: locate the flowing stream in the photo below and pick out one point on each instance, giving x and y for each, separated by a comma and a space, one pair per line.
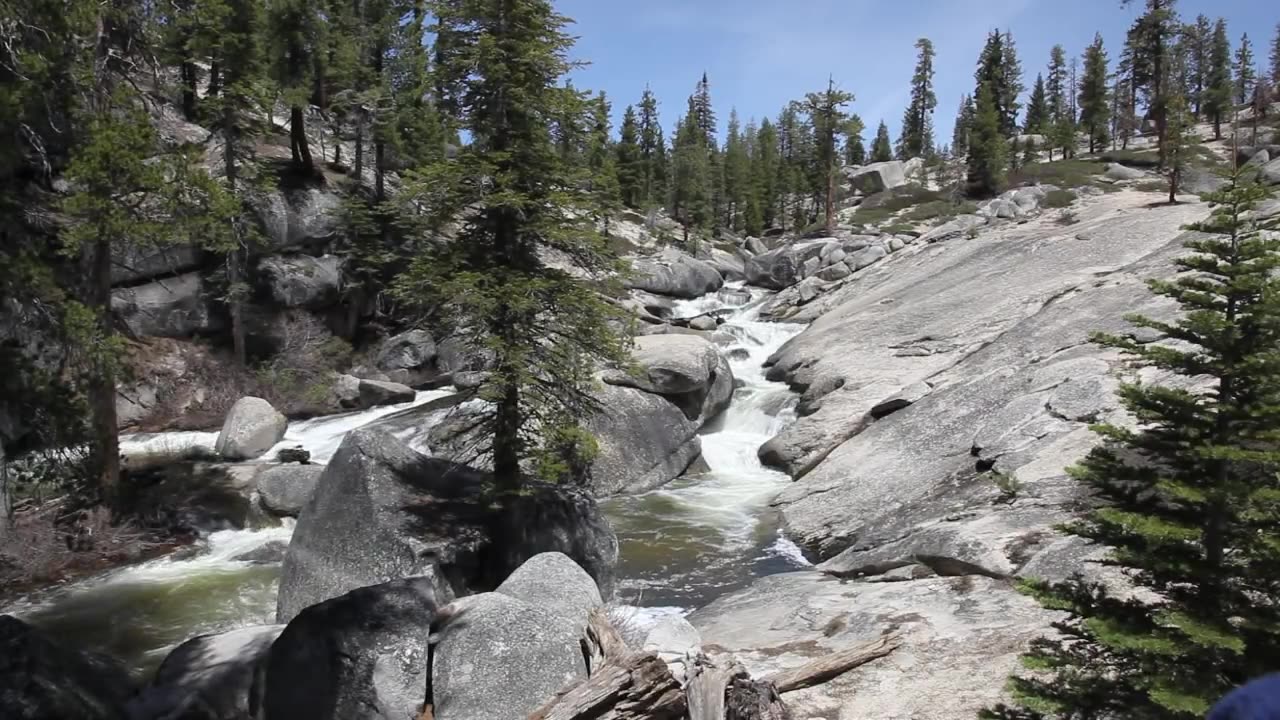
682, 545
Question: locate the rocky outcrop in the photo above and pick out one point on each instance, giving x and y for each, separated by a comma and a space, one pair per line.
374, 393
645, 440
827, 259
877, 177
301, 280
285, 489
131, 263
554, 582
408, 350
297, 217
207, 677
1270, 173
959, 639
675, 273
382, 512
503, 659
174, 307
688, 370
42, 680
1116, 171
251, 428
361, 655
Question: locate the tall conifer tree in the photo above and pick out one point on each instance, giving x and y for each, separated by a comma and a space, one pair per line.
1038, 115
1219, 87
916, 139
988, 155
1094, 110
1246, 72
882, 147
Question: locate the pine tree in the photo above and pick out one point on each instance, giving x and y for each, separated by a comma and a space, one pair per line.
855, 150
916, 139
1218, 91
1246, 73
630, 161
546, 328
1057, 84
704, 112
1199, 39
1180, 138
881, 147
602, 169
691, 187
1188, 500
987, 152
764, 172
1263, 96
1011, 86
297, 32
1094, 110
1038, 113
828, 119
1152, 39
1123, 123
1061, 130
1275, 60
653, 152
960, 133
737, 168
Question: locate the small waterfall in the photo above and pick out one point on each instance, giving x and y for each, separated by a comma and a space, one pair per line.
700, 536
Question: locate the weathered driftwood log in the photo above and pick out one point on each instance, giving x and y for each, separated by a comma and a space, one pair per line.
623, 685
838, 663
729, 693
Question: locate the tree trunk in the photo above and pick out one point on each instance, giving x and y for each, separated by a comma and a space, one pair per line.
102, 386
359, 164
833, 665
298, 138
215, 79
235, 257
188, 71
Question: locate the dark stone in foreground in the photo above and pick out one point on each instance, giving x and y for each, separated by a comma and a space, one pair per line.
41, 680
384, 512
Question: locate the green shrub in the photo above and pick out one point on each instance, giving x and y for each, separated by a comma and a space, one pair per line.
1152, 186
1063, 173
1058, 198
1132, 158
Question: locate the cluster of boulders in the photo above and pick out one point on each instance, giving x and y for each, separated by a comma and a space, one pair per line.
1259, 151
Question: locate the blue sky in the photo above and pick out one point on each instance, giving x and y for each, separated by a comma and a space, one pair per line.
759, 54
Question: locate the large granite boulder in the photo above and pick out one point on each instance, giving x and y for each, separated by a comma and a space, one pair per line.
554, 582
174, 307
1116, 171
408, 350
502, 658
784, 266
877, 177
1270, 173
675, 273
361, 655
131, 263
42, 680
298, 217
732, 266
688, 370
382, 512
374, 393
644, 439
302, 280
286, 489
209, 677
251, 428
958, 638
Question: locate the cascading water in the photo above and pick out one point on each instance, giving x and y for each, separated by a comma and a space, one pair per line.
702, 535
682, 545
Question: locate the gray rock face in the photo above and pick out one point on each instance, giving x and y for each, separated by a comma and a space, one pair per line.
677, 274
645, 440
174, 307
688, 370
41, 680
783, 267
361, 655
1270, 173
958, 227
502, 659
554, 582
302, 280
130, 263
208, 677
346, 391
877, 177
407, 351
730, 265
960, 640
1116, 171
383, 512
998, 326
374, 393
291, 218
285, 489
251, 428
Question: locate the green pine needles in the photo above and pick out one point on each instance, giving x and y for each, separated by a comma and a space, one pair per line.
516, 202
1189, 500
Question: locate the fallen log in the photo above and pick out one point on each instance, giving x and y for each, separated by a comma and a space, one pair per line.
833, 665
729, 693
622, 685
